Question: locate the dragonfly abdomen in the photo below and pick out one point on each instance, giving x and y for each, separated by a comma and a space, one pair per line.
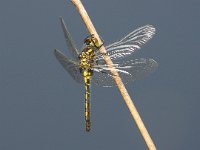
87, 74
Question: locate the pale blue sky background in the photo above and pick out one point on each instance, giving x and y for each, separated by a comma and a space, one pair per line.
41, 107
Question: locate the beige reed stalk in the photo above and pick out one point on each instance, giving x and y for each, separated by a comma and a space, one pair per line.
116, 77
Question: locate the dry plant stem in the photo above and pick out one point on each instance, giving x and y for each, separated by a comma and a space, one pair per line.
116, 77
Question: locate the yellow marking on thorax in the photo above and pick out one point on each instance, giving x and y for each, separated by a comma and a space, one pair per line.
87, 58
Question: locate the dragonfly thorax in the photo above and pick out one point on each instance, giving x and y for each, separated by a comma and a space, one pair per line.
87, 58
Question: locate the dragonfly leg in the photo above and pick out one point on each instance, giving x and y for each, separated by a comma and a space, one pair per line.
98, 47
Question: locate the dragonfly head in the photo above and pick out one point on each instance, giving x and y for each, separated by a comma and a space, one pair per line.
91, 41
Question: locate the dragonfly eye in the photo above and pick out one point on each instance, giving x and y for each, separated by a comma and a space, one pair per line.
90, 40
87, 41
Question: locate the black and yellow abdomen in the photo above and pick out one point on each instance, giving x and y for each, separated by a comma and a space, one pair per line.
86, 63
87, 74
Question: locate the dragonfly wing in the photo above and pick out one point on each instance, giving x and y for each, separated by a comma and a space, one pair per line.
70, 66
129, 43
68, 39
128, 70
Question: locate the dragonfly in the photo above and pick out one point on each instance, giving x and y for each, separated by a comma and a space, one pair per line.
88, 66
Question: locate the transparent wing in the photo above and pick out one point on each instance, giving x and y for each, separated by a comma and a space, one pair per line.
72, 67
128, 70
69, 41
129, 43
